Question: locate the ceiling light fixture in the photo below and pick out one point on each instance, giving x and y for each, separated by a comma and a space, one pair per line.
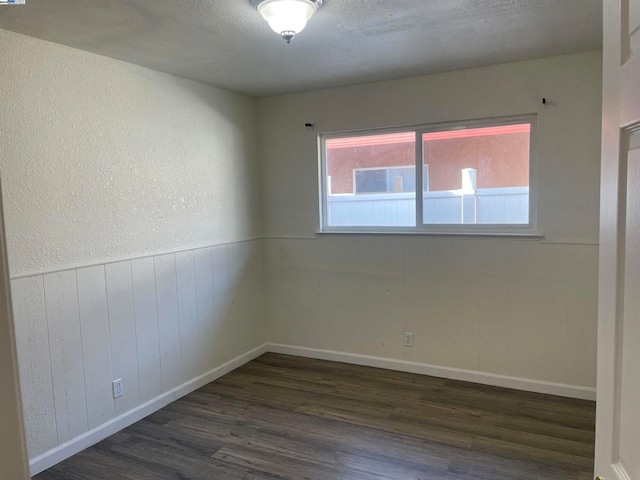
287, 17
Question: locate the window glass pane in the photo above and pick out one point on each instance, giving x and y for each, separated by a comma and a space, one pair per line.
477, 176
371, 180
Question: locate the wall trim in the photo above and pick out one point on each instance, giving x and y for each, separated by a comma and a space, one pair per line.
109, 261
541, 239
528, 385
86, 440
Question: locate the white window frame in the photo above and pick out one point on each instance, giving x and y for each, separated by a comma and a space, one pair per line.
517, 230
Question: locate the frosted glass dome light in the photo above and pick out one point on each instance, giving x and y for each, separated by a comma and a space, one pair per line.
287, 17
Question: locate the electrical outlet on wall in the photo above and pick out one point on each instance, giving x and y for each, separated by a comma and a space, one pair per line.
408, 339
118, 389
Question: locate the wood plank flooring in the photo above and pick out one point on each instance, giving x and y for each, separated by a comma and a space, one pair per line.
283, 417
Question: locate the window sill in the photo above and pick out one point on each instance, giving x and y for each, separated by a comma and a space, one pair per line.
516, 235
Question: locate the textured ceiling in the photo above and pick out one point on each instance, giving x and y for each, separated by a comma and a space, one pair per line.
227, 44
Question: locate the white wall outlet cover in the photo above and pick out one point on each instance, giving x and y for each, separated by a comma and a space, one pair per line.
118, 389
408, 339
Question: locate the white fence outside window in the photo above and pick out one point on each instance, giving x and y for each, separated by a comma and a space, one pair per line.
467, 206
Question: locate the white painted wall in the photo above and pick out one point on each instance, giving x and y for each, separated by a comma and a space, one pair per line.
132, 201
103, 160
521, 308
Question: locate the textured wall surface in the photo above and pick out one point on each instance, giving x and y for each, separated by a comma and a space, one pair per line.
523, 308
103, 163
104, 160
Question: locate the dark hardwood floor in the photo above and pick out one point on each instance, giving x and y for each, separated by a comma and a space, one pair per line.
282, 417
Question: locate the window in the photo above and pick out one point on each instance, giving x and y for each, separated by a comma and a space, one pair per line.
474, 177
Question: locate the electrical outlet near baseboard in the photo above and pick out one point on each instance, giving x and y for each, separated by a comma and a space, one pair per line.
408, 339
118, 389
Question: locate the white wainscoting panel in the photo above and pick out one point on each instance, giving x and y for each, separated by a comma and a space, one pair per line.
96, 344
163, 324
168, 320
67, 359
124, 346
147, 333
221, 291
188, 314
204, 304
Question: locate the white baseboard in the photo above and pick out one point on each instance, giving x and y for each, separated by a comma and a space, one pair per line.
550, 388
70, 448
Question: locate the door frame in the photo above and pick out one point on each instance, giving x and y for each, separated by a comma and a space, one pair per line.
620, 119
14, 462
